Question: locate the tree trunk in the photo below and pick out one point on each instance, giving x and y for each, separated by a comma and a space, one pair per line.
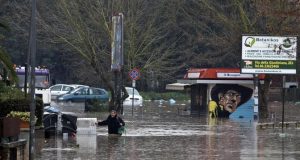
100, 73
263, 91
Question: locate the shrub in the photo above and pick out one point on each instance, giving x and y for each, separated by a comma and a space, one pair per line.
96, 106
7, 92
13, 99
181, 96
22, 105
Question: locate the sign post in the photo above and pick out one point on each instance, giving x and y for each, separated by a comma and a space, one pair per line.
134, 75
31, 60
270, 55
133, 86
117, 58
283, 101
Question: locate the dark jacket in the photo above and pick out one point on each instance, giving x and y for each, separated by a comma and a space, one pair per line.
114, 123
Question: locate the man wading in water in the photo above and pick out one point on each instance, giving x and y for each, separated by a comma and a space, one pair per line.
114, 123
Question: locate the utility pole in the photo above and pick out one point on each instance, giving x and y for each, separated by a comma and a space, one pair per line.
117, 59
31, 58
283, 101
256, 96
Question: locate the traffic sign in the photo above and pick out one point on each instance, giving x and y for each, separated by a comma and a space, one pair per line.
134, 74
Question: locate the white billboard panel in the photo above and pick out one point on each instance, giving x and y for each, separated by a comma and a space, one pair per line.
269, 48
234, 75
268, 71
269, 54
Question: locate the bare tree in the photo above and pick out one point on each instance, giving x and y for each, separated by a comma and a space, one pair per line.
219, 25
85, 26
161, 37
277, 18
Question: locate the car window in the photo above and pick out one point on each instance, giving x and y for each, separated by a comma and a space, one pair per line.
67, 88
56, 88
130, 91
102, 92
91, 91
82, 91
97, 92
85, 91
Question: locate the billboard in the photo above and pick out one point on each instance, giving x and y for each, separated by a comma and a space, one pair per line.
269, 55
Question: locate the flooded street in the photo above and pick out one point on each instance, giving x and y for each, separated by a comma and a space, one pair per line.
159, 131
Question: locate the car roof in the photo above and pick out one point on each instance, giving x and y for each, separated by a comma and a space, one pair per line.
71, 85
97, 88
130, 88
61, 84
78, 85
78, 88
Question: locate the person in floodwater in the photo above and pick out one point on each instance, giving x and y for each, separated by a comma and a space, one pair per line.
114, 123
212, 108
229, 98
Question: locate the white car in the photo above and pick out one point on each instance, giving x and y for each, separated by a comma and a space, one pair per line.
138, 99
78, 85
60, 89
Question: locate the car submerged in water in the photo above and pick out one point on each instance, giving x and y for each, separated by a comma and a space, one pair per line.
85, 94
134, 97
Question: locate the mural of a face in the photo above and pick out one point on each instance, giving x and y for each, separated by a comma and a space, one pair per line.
229, 97
230, 100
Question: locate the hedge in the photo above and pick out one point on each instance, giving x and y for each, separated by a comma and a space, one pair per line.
22, 105
178, 96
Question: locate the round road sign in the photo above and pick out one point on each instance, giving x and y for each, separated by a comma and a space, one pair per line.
134, 74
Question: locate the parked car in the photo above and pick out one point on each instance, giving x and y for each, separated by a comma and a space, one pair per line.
84, 94
78, 85
138, 99
60, 89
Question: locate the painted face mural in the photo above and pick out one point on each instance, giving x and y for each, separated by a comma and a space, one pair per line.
229, 97
229, 100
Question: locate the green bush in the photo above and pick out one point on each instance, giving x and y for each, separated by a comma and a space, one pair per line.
179, 96
22, 105
96, 106
13, 99
7, 92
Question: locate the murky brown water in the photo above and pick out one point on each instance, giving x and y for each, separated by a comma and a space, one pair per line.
160, 131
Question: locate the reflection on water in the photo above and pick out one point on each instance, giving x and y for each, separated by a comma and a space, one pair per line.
87, 143
159, 132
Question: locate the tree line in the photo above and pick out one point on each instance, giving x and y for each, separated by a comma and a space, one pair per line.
162, 38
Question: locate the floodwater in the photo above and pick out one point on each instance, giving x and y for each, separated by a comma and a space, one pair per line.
160, 131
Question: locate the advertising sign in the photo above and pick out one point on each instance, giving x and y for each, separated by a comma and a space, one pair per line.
269, 55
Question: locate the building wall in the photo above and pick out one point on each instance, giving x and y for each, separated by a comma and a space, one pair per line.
198, 99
